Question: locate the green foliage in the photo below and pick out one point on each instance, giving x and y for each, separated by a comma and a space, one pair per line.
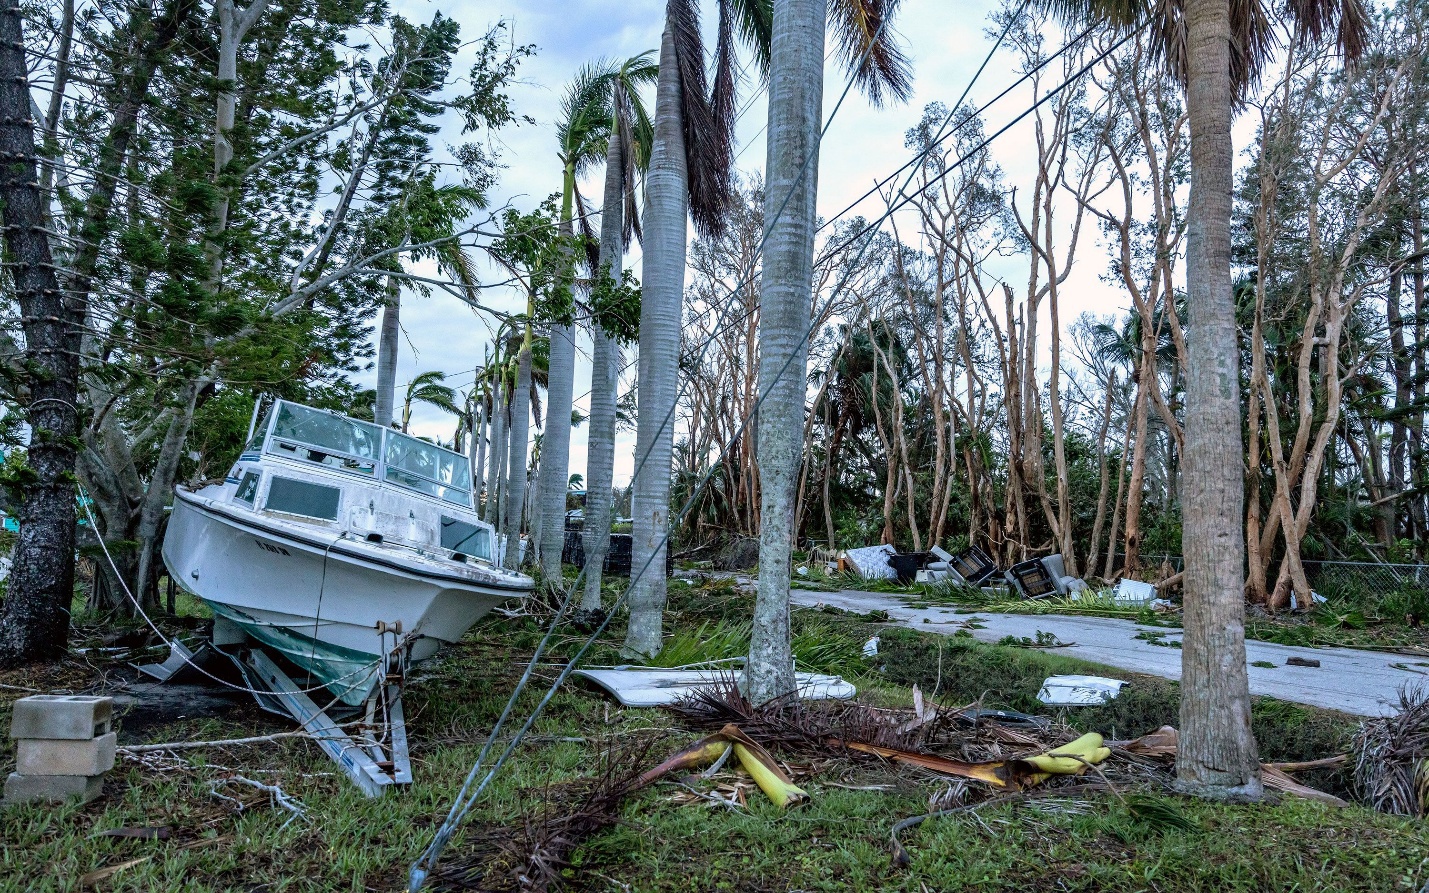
615, 305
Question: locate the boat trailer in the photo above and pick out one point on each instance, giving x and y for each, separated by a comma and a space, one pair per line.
371, 750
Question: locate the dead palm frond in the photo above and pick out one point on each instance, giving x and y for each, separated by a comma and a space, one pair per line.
1391, 758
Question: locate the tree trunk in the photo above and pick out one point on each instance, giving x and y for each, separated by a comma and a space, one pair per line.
1145, 381
604, 380
496, 468
34, 619
387, 355
515, 499
796, 84
478, 452
1103, 487
1217, 756
663, 286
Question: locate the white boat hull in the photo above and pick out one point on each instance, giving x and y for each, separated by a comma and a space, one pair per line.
321, 595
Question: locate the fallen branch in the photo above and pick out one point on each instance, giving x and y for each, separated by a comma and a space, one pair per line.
900, 855
223, 742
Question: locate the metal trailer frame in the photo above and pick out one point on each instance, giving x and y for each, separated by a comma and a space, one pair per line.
371, 751
374, 755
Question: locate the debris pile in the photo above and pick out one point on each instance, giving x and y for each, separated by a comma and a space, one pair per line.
1391, 758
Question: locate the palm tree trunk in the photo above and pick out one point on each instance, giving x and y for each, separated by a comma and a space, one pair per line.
34, 619
387, 355
1217, 753
554, 475
796, 83
495, 468
604, 380
478, 453
515, 499
663, 285
553, 478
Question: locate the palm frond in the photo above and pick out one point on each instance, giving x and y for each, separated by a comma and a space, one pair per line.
865, 40
754, 20
706, 159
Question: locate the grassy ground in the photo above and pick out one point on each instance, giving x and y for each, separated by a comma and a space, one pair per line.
224, 835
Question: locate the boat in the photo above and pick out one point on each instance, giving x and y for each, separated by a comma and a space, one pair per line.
334, 543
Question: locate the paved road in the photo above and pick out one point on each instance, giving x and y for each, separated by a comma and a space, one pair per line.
1357, 682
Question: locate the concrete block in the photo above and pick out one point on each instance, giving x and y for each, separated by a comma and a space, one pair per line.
48, 756
52, 788
69, 717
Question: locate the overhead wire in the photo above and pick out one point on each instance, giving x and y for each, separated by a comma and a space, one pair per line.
466, 797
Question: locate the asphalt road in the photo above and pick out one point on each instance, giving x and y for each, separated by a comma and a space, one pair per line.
1349, 680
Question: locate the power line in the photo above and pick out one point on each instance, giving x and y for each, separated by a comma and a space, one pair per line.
466, 797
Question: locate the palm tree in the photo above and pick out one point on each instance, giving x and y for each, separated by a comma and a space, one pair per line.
1216, 49
689, 176
427, 388
627, 149
796, 83
583, 134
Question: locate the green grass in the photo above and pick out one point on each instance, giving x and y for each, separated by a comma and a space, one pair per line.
838, 841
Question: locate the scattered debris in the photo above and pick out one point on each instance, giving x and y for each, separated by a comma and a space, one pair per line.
1162, 744
870, 562
1133, 592
870, 648
1078, 691
1301, 662
651, 687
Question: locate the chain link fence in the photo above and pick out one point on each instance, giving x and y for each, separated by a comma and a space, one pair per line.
1367, 578
1331, 578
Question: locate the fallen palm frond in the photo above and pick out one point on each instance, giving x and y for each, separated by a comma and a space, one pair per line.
1389, 754
533, 856
1162, 743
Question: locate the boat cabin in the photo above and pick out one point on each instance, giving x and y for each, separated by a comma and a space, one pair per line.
320, 468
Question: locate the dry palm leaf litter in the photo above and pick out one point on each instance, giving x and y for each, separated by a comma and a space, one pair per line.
990, 761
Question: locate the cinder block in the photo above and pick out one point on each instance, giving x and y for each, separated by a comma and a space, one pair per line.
69, 717
52, 788
49, 756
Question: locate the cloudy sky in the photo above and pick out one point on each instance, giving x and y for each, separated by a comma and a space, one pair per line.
945, 40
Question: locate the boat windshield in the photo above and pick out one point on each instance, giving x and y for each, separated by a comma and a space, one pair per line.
428, 468
325, 438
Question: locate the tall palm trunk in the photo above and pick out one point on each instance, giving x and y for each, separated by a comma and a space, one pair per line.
515, 498
387, 355
1217, 754
495, 474
34, 620
553, 478
478, 452
604, 379
796, 82
663, 286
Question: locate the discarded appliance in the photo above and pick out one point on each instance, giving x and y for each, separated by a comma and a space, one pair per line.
973, 566
1078, 691
1043, 577
1032, 579
870, 562
337, 553
654, 687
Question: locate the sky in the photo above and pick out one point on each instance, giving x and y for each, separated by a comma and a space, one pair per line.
946, 42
